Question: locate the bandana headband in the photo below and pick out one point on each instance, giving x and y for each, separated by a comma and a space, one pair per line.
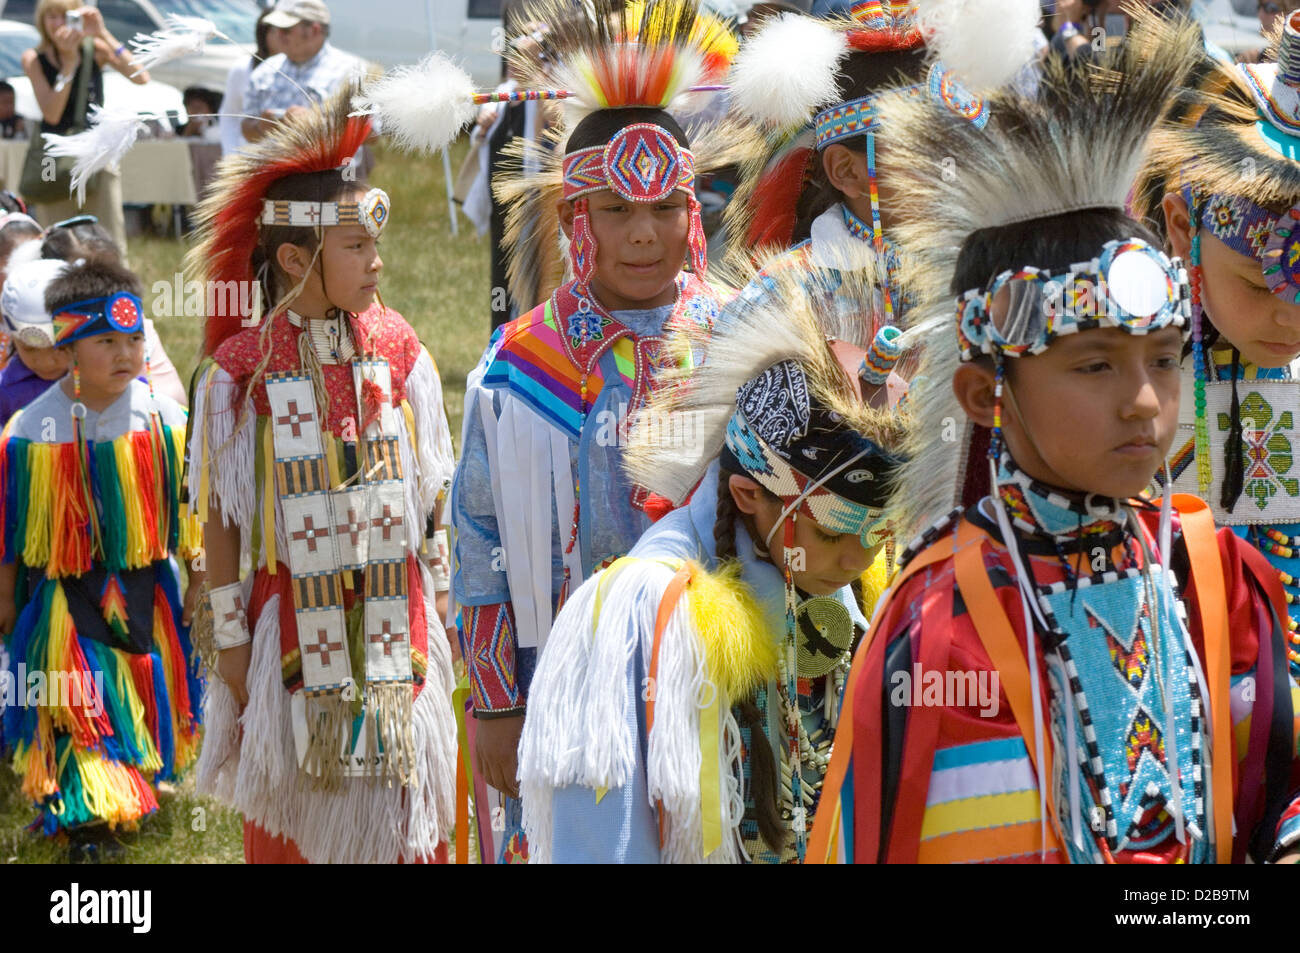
122, 312
800, 492
1131, 285
371, 212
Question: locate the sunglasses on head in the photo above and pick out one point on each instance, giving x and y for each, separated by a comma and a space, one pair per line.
73, 222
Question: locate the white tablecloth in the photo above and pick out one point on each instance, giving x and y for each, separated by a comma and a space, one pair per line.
155, 171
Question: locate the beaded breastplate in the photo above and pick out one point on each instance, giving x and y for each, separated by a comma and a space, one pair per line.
1126, 712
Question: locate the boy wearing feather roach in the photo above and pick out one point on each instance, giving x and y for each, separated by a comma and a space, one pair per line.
1132, 642
540, 500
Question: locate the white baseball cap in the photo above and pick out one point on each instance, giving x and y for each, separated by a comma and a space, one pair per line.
22, 302
292, 12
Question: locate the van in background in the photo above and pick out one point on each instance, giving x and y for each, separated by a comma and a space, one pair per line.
396, 32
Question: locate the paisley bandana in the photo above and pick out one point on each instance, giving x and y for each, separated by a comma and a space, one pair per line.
785, 440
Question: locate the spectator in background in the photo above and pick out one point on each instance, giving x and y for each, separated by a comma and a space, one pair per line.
307, 71
1270, 14
201, 107
54, 68
231, 123
11, 124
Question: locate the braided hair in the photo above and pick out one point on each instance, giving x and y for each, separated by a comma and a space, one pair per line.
762, 761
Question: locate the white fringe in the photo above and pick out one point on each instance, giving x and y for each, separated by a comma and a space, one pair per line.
362, 822
231, 462
437, 458
576, 729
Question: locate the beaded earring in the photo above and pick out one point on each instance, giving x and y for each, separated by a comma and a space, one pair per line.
1204, 471
877, 232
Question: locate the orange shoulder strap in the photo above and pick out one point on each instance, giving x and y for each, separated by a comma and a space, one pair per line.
1202, 543
1003, 648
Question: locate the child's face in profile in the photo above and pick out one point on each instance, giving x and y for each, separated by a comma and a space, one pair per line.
1263, 326
108, 363
640, 248
826, 562
1095, 412
350, 262
47, 363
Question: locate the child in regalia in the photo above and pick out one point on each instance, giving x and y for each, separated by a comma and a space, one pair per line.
540, 500
1226, 192
107, 702
813, 192
688, 698
320, 453
1063, 671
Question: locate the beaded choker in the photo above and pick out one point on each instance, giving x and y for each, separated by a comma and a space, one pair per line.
1040, 509
331, 337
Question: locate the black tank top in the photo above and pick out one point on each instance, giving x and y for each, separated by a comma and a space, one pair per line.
96, 91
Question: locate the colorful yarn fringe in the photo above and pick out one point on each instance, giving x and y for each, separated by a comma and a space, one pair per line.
104, 719
135, 486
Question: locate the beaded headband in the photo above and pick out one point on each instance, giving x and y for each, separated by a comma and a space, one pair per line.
123, 312
1131, 285
371, 211
641, 163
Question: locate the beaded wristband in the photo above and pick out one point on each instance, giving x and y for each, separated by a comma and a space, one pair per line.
439, 566
229, 618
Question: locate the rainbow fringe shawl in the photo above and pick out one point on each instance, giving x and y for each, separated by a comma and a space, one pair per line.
135, 487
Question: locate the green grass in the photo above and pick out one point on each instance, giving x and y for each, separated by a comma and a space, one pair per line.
440, 285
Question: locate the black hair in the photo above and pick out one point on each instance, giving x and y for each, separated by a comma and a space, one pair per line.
208, 97
1054, 244
762, 763
14, 234
83, 240
12, 202
6, 86
328, 185
260, 33
602, 125
861, 75
91, 278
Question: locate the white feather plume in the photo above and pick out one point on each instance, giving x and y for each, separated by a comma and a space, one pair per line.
182, 36
421, 107
787, 70
984, 42
109, 137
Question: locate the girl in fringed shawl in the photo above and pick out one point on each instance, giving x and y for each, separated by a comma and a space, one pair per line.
102, 700
688, 698
320, 455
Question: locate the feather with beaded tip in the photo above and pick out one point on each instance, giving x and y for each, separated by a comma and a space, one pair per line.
420, 107
181, 36
110, 136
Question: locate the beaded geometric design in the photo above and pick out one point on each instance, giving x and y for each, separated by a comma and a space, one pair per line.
1122, 684
642, 163
1267, 449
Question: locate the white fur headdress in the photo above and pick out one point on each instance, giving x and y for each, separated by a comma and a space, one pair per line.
1078, 144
